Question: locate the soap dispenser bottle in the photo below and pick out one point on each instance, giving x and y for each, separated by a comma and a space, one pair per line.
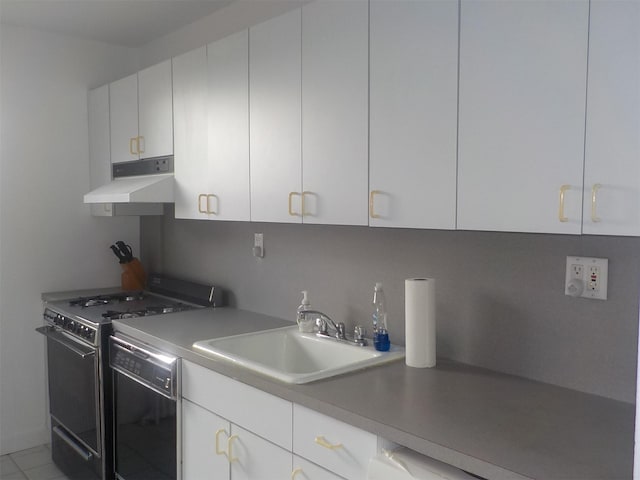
306, 323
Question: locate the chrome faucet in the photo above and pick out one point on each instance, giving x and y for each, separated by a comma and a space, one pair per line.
324, 321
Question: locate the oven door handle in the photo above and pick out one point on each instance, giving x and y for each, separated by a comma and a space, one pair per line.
86, 455
56, 336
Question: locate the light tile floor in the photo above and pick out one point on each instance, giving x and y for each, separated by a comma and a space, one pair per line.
32, 464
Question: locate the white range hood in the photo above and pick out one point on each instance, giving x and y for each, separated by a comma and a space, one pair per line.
156, 188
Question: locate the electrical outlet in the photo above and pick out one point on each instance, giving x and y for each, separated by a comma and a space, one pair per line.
587, 277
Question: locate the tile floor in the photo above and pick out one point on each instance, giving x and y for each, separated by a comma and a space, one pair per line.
32, 464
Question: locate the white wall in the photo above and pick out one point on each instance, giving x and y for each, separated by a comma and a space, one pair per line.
49, 241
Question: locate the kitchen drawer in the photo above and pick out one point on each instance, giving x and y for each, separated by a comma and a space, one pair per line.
332, 444
303, 469
262, 413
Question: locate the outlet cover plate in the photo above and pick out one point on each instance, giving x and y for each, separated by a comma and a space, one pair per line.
587, 277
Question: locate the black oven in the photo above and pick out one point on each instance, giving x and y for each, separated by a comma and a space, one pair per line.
146, 412
75, 373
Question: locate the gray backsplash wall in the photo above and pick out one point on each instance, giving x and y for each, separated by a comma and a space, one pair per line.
500, 296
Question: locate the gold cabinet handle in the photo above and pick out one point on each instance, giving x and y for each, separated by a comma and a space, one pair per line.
320, 440
209, 210
594, 202
561, 216
372, 212
304, 211
140, 140
291, 211
200, 197
218, 432
229, 451
133, 140
295, 472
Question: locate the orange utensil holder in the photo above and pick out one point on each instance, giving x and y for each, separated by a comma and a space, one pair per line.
133, 276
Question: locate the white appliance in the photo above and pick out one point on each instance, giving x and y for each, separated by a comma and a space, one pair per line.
405, 464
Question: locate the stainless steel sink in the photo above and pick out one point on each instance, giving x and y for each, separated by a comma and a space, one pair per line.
294, 357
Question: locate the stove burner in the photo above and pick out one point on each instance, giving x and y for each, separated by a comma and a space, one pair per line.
106, 299
146, 311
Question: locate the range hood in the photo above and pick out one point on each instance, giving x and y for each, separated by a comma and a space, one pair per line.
143, 181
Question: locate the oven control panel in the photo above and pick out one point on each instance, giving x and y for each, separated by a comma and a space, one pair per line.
144, 367
74, 327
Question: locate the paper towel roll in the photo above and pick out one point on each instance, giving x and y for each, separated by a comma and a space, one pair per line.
420, 322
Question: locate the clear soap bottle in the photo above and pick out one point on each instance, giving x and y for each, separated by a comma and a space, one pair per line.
306, 323
380, 332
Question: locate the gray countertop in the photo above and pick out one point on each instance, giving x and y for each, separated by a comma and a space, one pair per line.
493, 425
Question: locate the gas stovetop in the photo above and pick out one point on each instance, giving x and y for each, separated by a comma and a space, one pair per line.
105, 308
84, 316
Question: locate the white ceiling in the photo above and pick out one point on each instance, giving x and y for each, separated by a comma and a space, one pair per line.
130, 23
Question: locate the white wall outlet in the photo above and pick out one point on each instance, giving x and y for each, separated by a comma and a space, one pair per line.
587, 277
258, 245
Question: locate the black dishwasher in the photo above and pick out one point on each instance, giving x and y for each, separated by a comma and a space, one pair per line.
146, 411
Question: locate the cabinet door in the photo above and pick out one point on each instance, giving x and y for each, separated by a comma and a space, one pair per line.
612, 157
190, 130
123, 102
275, 137
305, 470
99, 152
253, 458
335, 112
237, 402
522, 111
332, 444
155, 111
413, 113
228, 80
199, 444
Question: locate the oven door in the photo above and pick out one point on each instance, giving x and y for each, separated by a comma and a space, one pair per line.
145, 431
73, 388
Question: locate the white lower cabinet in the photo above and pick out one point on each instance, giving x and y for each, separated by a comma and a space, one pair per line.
204, 435
335, 445
214, 448
234, 431
303, 469
254, 458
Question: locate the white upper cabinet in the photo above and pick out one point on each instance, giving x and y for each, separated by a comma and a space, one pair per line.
413, 113
100, 159
155, 109
275, 112
141, 115
228, 128
523, 72
335, 112
190, 133
124, 119
612, 157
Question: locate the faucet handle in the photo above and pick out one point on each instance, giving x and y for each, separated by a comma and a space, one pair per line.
341, 333
322, 325
359, 333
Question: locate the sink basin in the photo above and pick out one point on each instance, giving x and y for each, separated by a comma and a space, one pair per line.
294, 357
